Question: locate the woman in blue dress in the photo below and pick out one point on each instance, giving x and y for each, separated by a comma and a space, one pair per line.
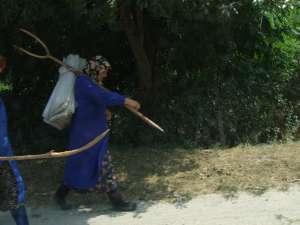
12, 191
93, 169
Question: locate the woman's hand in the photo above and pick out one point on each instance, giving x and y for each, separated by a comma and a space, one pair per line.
132, 103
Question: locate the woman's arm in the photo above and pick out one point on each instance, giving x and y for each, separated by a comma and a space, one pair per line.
132, 103
98, 94
108, 98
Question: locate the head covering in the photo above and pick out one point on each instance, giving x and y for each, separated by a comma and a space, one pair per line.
95, 64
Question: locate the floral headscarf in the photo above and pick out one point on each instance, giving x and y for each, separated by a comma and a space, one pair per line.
95, 64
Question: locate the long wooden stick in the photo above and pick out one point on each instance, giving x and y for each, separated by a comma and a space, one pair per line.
58, 154
139, 114
49, 56
145, 118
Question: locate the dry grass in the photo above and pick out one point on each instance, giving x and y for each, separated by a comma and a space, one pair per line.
178, 175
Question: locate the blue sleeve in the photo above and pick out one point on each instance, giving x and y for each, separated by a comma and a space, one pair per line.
3, 122
5, 147
99, 94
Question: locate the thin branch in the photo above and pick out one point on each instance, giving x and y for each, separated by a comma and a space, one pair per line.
58, 154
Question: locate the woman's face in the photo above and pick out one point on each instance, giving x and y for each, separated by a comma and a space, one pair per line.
102, 73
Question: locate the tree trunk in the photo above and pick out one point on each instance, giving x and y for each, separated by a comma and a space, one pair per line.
133, 24
143, 36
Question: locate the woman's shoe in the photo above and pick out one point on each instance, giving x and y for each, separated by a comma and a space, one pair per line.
60, 197
119, 204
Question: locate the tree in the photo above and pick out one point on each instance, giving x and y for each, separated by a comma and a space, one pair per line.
209, 71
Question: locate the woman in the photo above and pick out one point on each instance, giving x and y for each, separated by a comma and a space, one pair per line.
12, 191
88, 170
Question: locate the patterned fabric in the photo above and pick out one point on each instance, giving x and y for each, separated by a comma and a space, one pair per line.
12, 189
8, 189
95, 64
108, 180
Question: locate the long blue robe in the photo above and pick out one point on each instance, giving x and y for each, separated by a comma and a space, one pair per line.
82, 171
6, 150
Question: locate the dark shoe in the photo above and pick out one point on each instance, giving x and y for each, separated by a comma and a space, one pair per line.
60, 197
62, 203
20, 216
119, 204
125, 207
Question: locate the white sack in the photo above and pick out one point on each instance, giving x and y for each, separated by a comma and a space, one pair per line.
61, 104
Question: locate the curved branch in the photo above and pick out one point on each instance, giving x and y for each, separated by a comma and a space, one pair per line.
58, 154
30, 53
37, 39
145, 118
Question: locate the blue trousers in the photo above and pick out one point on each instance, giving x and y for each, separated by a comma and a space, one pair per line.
20, 216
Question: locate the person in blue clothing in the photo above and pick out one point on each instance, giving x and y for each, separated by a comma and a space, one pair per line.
12, 190
92, 169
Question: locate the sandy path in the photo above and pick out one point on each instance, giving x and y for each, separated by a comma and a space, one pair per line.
271, 208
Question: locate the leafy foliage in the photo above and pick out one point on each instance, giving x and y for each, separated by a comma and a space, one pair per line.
211, 72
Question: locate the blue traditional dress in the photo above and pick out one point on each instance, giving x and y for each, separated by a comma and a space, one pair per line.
12, 191
84, 170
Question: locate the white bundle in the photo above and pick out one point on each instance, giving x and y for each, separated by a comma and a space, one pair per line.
61, 104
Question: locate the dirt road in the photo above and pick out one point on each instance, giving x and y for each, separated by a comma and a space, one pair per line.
271, 208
